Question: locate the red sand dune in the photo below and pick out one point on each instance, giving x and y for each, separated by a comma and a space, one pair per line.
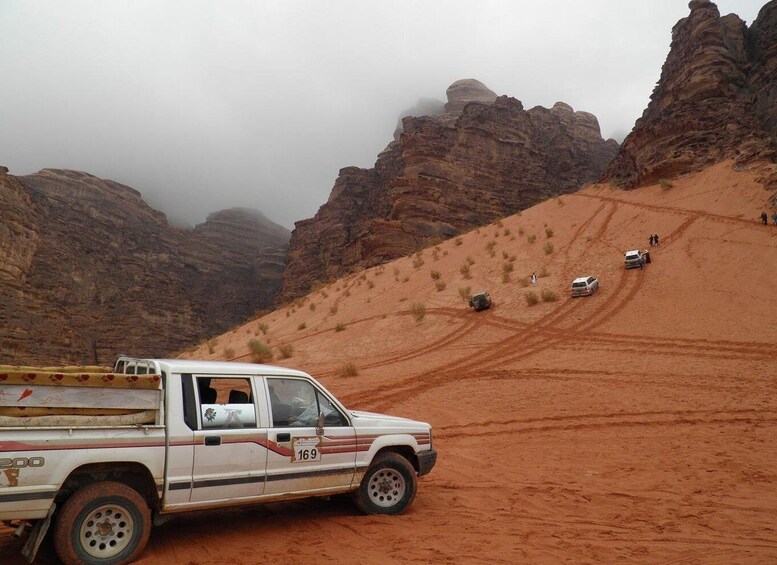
638, 425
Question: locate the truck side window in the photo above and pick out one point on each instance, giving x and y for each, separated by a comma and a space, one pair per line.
296, 403
226, 403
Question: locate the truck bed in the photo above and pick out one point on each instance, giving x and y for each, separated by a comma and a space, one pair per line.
76, 396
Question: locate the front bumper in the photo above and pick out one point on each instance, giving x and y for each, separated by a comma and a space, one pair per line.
426, 461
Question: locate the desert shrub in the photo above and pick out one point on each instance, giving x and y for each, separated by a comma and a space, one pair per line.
312, 306
490, 248
260, 353
370, 284
285, 351
531, 298
507, 231
520, 231
439, 285
465, 292
403, 299
212, 345
229, 353
464, 270
507, 267
512, 258
548, 295
470, 260
347, 293
348, 370
505, 277
665, 184
548, 248
262, 327
340, 327
436, 254
333, 308
532, 238
302, 326
418, 262
499, 224
505, 254
548, 232
407, 278
419, 311
458, 241
435, 275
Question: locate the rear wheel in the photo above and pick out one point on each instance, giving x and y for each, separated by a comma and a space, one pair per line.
388, 486
105, 523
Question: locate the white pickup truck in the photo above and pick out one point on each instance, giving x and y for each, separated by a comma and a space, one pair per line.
102, 456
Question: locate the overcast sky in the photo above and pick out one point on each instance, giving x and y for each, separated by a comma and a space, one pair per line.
204, 105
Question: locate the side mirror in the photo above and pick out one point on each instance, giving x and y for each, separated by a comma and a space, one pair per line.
320, 424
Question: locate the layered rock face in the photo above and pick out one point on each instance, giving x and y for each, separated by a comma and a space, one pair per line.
716, 99
88, 270
484, 158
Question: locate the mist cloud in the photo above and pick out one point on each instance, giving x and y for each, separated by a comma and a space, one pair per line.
205, 105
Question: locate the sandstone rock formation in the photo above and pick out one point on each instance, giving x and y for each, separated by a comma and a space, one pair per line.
89, 270
716, 99
484, 158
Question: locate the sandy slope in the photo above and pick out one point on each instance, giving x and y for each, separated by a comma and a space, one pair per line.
635, 426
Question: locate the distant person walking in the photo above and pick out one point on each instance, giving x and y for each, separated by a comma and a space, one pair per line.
533, 278
651, 240
655, 239
764, 218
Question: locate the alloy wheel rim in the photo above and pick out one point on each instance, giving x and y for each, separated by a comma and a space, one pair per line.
106, 531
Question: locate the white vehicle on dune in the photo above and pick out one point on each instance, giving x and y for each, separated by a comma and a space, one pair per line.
101, 456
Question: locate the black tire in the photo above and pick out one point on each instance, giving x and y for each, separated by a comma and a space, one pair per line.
104, 523
388, 486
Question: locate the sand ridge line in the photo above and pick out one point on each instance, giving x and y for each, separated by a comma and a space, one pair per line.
697, 213
448, 339
653, 341
578, 417
463, 433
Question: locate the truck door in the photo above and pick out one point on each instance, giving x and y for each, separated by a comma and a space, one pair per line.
302, 457
230, 456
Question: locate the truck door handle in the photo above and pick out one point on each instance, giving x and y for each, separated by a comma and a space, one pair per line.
212, 440
282, 437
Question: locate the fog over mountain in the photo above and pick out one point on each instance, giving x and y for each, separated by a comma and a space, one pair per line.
208, 105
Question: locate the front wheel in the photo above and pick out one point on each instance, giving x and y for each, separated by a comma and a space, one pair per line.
388, 486
104, 523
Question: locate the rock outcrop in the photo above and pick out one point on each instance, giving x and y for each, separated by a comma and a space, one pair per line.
89, 270
484, 158
716, 99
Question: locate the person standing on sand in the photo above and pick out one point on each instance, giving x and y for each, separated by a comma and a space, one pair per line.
764, 218
651, 240
533, 279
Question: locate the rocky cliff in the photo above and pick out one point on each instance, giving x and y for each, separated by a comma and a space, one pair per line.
485, 157
716, 99
88, 270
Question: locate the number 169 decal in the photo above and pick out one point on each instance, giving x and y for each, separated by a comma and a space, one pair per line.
305, 449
